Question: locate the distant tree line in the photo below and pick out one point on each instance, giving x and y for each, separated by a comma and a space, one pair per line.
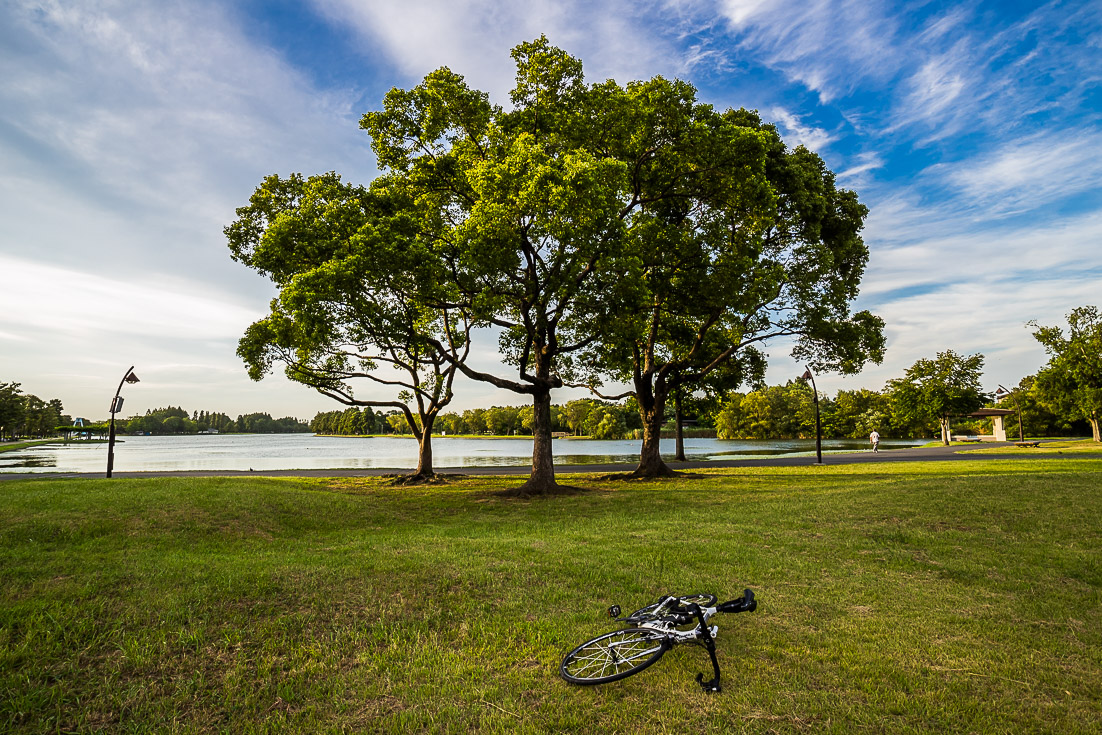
175, 420
26, 415
769, 412
788, 412
585, 416
934, 396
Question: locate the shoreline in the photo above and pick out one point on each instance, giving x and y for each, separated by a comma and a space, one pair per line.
913, 454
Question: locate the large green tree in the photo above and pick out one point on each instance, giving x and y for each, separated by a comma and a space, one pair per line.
857, 413
935, 390
1037, 415
360, 290
770, 412
1071, 382
586, 215
739, 241
527, 213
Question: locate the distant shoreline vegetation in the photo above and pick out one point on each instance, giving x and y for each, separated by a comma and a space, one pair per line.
175, 420
27, 415
770, 412
583, 417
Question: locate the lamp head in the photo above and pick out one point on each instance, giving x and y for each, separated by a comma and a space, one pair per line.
131, 378
806, 375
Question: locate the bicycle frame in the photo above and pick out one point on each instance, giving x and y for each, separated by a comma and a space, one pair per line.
661, 625
667, 628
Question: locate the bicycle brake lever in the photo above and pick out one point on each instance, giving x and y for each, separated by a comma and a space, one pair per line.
708, 686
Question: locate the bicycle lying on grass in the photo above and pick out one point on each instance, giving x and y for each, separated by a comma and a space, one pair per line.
654, 630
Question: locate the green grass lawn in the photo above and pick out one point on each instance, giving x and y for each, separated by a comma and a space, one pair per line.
941, 597
1075, 446
13, 446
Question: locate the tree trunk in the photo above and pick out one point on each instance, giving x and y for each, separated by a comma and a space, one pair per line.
424, 454
652, 406
679, 432
542, 479
423, 434
1094, 428
945, 435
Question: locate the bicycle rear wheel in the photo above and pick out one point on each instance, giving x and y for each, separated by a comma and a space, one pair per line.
613, 656
701, 598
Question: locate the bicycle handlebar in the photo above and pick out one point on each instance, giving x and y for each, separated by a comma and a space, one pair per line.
746, 603
673, 610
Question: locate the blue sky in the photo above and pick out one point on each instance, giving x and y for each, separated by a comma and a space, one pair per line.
130, 131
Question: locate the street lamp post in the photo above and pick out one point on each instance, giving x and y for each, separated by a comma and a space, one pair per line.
116, 406
818, 425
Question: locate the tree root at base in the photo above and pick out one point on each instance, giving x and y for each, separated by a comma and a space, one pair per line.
422, 478
540, 490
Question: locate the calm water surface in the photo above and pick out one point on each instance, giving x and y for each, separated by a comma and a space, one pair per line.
306, 451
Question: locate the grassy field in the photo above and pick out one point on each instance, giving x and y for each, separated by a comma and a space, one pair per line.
13, 446
941, 597
1075, 446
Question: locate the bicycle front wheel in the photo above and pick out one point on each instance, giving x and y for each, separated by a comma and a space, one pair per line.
613, 656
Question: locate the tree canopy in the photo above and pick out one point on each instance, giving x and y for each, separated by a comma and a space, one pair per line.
360, 289
935, 390
739, 241
526, 215
1071, 382
600, 230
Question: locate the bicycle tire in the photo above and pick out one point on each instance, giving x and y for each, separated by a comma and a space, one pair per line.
613, 656
703, 599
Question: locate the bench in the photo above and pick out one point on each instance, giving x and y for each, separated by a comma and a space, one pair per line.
1023, 445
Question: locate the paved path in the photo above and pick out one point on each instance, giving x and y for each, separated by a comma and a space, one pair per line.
917, 454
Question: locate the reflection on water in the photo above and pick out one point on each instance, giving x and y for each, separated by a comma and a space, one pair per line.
305, 451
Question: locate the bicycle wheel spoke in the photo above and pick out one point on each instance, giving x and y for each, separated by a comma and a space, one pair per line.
612, 656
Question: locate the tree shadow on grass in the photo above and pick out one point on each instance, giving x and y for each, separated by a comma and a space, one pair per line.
636, 477
527, 492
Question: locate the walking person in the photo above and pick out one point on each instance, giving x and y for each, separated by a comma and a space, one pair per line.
874, 439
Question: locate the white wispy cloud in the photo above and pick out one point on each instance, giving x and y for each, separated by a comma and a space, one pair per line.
937, 84
914, 245
796, 132
861, 170
130, 133
829, 46
80, 330
1030, 173
87, 307
616, 39
166, 110
998, 83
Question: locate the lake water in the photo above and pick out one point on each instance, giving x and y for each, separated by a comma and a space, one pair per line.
306, 451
